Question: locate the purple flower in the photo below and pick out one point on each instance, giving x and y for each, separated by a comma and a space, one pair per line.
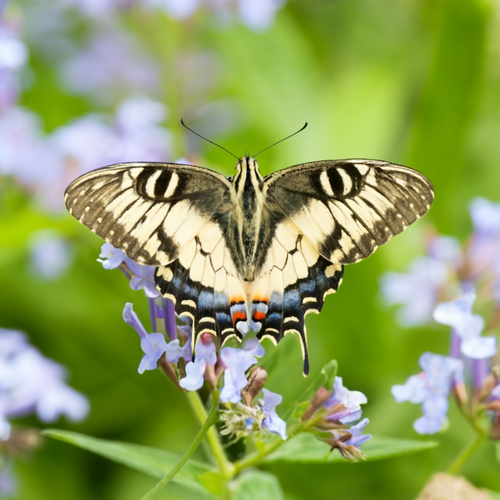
153, 345
237, 362
431, 388
259, 14
13, 52
204, 356
358, 438
113, 65
273, 423
178, 9
416, 290
29, 382
495, 393
485, 243
143, 278
51, 254
344, 405
467, 326
60, 399
110, 257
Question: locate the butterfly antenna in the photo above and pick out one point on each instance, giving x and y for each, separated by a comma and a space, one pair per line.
288, 137
208, 140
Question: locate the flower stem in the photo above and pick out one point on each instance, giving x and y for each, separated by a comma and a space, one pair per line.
465, 454
225, 466
211, 419
256, 457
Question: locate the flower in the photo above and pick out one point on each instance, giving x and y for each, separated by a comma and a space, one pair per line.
32, 383
431, 388
113, 64
417, 290
273, 423
51, 254
153, 345
344, 405
110, 257
467, 326
204, 357
237, 362
495, 393
141, 277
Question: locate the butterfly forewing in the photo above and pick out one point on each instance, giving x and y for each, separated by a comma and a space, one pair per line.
152, 211
347, 208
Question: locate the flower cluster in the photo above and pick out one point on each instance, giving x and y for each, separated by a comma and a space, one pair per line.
248, 409
333, 411
256, 14
469, 371
172, 351
30, 383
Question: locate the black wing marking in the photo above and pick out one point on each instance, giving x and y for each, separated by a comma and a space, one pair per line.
347, 208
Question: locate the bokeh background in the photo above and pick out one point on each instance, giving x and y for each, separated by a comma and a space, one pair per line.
85, 83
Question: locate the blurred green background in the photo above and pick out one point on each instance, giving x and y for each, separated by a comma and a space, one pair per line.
410, 81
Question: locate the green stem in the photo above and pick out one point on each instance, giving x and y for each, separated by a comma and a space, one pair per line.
211, 419
225, 466
257, 456
465, 454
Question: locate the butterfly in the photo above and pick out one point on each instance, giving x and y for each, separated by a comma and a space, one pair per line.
249, 252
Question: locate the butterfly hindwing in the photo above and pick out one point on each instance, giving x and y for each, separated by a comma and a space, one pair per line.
347, 208
149, 210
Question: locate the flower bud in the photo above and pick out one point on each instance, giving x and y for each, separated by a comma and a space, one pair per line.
256, 381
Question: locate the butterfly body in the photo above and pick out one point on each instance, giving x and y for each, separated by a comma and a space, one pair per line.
249, 252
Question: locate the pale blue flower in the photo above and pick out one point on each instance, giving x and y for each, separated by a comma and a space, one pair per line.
344, 405
31, 383
259, 14
51, 255
143, 278
495, 393
110, 257
273, 423
204, 356
153, 345
417, 290
237, 362
114, 65
431, 388
13, 52
60, 399
468, 326
358, 438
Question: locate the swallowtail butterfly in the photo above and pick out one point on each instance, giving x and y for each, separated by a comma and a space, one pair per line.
249, 252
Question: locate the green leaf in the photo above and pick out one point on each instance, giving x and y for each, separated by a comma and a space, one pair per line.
495, 495
497, 449
306, 448
213, 482
256, 484
151, 461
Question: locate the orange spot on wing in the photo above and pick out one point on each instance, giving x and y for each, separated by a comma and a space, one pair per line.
239, 315
258, 315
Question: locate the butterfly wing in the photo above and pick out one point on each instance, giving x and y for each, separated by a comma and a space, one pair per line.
166, 215
348, 208
335, 213
151, 211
